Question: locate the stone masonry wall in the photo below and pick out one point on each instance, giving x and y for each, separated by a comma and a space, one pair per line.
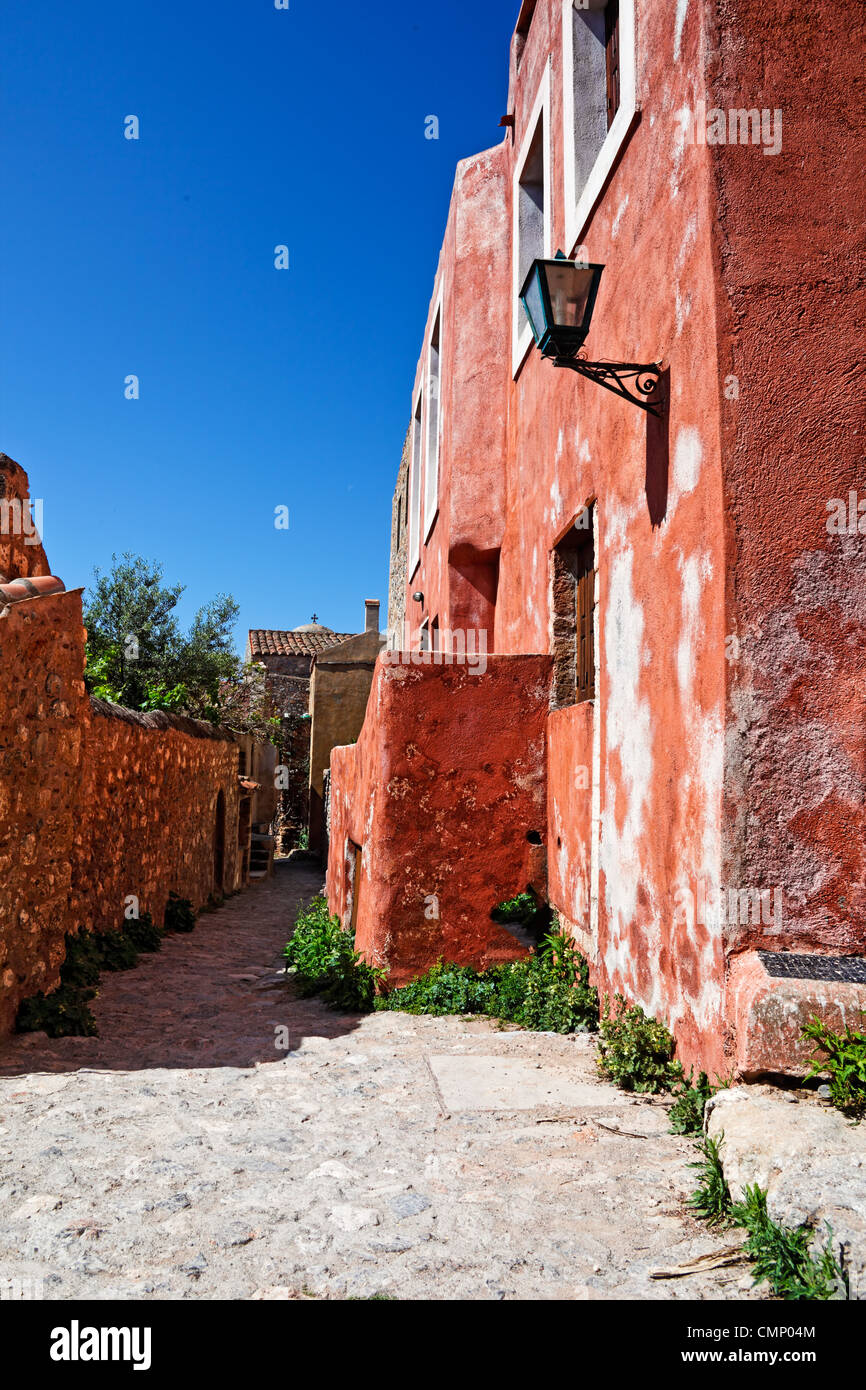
42, 704
21, 553
150, 785
97, 804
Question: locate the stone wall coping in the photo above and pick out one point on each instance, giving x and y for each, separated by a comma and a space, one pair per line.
161, 720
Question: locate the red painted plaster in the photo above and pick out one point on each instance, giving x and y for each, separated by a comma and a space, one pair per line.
440, 792
726, 744
769, 1016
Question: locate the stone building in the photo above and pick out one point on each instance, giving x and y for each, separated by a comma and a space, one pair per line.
636, 676
339, 690
318, 680
259, 803
287, 658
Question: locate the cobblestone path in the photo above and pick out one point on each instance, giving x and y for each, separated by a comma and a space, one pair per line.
183, 1155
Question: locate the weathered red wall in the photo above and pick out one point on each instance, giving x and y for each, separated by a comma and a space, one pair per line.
570, 817
659, 540
657, 771
768, 1016
454, 569
792, 302
726, 743
440, 792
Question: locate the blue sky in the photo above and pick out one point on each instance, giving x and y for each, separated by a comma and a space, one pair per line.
259, 388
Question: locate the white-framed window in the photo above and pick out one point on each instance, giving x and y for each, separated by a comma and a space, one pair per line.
532, 211
599, 81
434, 422
414, 537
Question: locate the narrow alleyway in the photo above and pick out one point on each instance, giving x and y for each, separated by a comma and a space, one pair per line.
183, 1155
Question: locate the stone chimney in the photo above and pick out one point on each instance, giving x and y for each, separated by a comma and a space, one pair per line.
372, 607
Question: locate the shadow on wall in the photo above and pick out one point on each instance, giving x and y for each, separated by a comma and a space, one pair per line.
658, 456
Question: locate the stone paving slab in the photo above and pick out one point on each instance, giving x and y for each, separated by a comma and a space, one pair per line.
182, 1156
807, 1156
506, 1083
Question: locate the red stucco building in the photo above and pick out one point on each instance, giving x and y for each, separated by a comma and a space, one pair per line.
652, 710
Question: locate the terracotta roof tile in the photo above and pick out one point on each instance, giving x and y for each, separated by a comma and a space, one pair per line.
264, 642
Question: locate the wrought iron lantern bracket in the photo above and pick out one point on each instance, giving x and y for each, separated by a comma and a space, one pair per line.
614, 376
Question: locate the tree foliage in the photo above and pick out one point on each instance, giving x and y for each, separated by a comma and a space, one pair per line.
139, 656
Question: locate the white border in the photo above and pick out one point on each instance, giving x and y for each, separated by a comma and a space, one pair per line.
578, 208
595, 803
521, 333
430, 517
416, 461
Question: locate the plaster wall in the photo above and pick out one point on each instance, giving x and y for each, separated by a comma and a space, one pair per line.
339, 689
724, 751
791, 302
446, 782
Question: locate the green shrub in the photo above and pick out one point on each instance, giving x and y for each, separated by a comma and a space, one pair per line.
445, 989
636, 1052
63, 1014
82, 962
783, 1257
549, 991
844, 1061
143, 933
116, 950
780, 1256
687, 1112
711, 1200
515, 909
308, 951
325, 962
66, 1012
180, 915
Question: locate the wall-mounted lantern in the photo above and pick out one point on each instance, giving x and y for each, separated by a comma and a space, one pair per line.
559, 297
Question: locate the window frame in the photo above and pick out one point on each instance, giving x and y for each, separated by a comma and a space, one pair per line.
430, 502
574, 627
611, 60
585, 623
416, 470
579, 203
521, 335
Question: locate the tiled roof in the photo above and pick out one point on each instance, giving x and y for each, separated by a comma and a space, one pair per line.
268, 643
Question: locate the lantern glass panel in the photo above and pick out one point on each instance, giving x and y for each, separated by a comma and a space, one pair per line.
533, 303
570, 288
